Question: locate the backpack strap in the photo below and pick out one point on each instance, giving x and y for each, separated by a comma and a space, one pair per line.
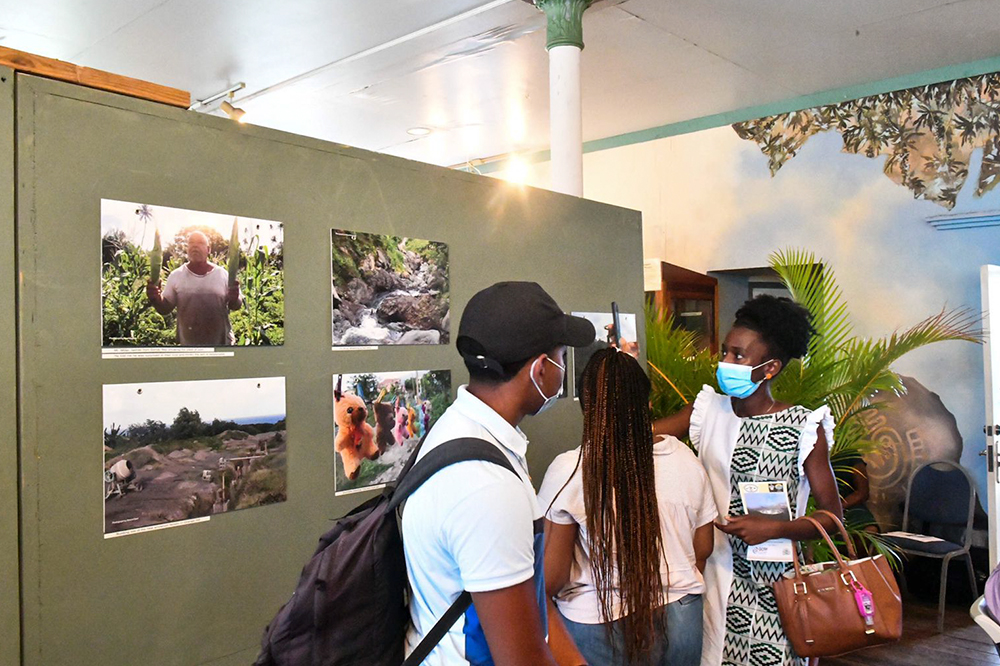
448, 453
440, 628
444, 455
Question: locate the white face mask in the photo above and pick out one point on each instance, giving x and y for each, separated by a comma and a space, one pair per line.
549, 400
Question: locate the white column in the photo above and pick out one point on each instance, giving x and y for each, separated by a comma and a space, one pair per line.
566, 120
564, 42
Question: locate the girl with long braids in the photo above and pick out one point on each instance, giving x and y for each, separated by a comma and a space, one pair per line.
745, 435
628, 528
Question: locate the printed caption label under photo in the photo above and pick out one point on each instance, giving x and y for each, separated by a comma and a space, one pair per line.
170, 352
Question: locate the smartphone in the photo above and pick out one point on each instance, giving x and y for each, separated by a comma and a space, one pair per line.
616, 325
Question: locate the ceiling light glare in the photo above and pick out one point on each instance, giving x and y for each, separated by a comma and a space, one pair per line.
517, 171
419, 131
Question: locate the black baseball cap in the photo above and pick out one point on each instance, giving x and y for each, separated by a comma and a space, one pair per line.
513, 321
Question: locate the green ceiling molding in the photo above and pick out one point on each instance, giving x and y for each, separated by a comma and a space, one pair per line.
924, 78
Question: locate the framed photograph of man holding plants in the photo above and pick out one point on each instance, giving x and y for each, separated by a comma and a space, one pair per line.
174, 277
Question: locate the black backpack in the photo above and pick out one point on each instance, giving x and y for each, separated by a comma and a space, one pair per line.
349, 607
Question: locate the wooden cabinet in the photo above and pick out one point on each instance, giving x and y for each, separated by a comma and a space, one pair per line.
693, 300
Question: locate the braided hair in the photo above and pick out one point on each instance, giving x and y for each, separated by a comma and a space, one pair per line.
784, 325
623, 523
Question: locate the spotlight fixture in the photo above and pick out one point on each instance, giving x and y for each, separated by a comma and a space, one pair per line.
419, 131
233, 112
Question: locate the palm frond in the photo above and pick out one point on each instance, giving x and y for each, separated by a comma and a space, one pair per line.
674, 352
814, 286
868, 368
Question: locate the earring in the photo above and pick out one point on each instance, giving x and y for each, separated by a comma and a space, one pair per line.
767, 376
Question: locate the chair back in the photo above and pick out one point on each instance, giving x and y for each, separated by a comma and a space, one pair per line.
941, 494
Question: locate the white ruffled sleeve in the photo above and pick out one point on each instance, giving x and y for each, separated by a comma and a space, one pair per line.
821, 417
702, 404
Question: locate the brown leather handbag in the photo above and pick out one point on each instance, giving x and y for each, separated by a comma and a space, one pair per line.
831, 608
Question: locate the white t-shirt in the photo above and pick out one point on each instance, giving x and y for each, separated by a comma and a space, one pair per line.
202, 303
685, 503
469, 527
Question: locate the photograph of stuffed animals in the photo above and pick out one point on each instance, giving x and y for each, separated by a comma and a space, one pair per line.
378, 420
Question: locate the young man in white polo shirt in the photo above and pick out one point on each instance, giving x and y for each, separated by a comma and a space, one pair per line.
472, 526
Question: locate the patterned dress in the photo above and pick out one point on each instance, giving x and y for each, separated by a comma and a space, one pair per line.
767, 450
741, 624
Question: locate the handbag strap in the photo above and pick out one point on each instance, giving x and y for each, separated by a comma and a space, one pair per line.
843, 531
841, 564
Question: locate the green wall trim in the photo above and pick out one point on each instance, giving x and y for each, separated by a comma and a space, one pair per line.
823, 98
10, 580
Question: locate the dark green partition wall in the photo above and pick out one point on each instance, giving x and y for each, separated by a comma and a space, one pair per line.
10, 628
201, 593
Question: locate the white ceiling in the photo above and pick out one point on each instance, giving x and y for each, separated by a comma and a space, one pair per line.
361, 72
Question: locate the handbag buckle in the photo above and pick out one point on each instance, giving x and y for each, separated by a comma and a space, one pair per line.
849, 583
795, 588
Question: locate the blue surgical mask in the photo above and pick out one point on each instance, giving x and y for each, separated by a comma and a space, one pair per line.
549, 399
734, 379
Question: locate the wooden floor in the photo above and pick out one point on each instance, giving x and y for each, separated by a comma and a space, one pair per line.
963, 643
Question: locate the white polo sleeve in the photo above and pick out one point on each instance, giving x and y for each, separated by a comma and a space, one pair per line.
558, 493
490, 535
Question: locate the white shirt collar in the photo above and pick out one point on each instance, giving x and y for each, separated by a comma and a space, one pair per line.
475, 409
664, 445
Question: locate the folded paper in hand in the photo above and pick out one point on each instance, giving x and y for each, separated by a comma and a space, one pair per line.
768, 499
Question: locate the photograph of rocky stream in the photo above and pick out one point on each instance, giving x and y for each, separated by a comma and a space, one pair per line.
388, 290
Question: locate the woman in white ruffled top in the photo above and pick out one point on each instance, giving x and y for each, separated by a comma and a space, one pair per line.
747, 437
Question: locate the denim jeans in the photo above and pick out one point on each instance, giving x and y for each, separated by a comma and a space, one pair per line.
680, 647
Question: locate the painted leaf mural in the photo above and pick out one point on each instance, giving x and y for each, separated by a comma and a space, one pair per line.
927, 135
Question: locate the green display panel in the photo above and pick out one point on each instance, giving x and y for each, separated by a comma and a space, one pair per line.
10, 634
201, 593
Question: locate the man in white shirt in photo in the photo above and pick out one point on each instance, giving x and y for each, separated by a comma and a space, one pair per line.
201, 293
475, 526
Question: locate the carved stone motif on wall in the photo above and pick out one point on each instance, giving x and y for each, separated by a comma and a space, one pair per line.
911, 429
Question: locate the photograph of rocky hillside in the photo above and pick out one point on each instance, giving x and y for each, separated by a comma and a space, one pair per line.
388, 290
174, 451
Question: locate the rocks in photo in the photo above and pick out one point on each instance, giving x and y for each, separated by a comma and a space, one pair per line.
423, 311
420, 338
388, 290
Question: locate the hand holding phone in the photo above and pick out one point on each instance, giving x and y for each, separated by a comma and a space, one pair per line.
616, 325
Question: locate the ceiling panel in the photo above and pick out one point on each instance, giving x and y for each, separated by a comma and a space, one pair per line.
460, 81
63, 28
931, 39
476, 72
816, 46
206, 46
